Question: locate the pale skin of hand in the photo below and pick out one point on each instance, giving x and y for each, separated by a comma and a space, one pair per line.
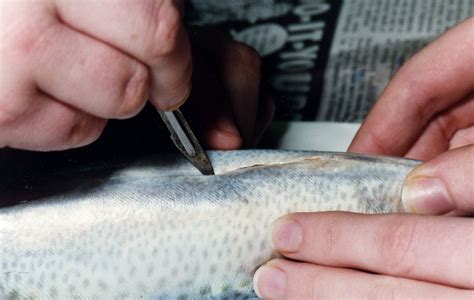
69, 66
426, 112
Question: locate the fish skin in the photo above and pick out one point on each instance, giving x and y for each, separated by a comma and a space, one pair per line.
159, 229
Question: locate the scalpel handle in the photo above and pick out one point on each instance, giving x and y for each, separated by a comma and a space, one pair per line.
185, 140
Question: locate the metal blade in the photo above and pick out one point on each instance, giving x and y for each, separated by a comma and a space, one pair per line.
185, 140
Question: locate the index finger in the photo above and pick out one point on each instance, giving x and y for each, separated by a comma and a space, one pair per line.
150, 31
432, 80
434, 249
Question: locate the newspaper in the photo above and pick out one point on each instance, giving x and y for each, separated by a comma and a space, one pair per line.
328, 61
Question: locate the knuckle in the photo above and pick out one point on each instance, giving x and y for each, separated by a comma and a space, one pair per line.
133, 94
329, 237
166, 31
398, 246
83, 132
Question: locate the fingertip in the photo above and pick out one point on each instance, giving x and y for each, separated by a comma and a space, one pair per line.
224, 136
269, 281
426, 195
173, 98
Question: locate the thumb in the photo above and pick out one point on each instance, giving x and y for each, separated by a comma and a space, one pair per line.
442, 185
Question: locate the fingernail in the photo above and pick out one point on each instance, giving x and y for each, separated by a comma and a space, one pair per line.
172, 104
286, 235
426, 195
269, 282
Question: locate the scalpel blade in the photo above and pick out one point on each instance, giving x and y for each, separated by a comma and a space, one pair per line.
185, 140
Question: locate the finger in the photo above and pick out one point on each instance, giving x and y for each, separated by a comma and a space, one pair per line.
150, 30
442, 185
439, 135
435, 249
87, 74
292, 280
209, 102
435, 78
240, 69
47, 124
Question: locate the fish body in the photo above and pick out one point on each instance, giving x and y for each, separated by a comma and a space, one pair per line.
159, 229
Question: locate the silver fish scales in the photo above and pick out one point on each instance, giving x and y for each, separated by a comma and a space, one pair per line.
159, 229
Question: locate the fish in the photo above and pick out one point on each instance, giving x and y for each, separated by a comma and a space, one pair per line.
157, 228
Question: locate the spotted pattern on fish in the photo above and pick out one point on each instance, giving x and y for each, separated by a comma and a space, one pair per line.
159, 229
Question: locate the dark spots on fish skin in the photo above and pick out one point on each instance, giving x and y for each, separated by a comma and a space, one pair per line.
141, 287
186, 283
246, 229
162, 282
94, 267
155, 252
205, 290
239, 252
85, 283
121, 279
141, 256
53, 292
219, 254
263, 245
205, 254
250, 245
168, 238
149, 271
226, 238
132, 271
186, 268
65, 278
13, 295
72, 289
40, 283
174, 272
343, 196
102, 285
53, 276
192, 249
30, 281
212, 269
196, 270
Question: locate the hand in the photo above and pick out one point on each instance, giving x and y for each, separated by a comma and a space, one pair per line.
426, 111
341, 255
428, 107
68, 66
